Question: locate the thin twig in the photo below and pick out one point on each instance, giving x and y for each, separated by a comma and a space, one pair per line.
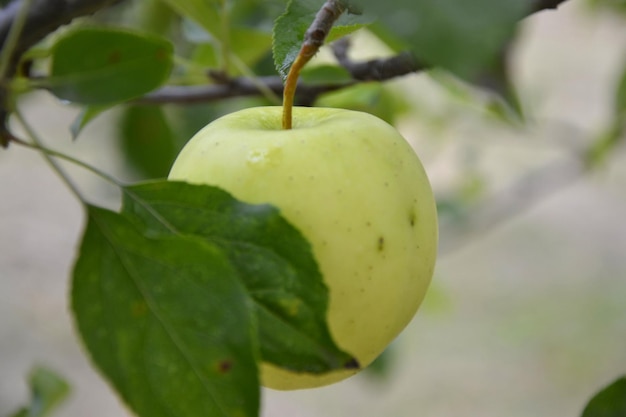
53, 164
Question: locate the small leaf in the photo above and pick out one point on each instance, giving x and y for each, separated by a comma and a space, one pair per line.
85, 116
48, 390
373, 98
290, 27
273, 259
147, 140
103, 66
461, 36
325, 74
166, 320
206, 13
609, 402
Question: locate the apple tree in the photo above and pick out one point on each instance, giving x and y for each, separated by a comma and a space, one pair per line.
199, 289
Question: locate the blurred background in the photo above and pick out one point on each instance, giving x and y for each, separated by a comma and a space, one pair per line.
527, 312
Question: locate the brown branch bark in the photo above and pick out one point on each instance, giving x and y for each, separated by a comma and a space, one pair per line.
236, 87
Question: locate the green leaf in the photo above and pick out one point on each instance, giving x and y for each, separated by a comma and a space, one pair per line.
374, 98
48, 390
166, 320
206, 13
609, 402
620, 98
290, 27
272, 258
461, 36
249, 45
85, 116
103, 66
147, 141
325, 75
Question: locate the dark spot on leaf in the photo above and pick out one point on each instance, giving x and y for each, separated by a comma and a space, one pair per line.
224, 366
352, 364
139, 308
381, 244
412, 218
115, 57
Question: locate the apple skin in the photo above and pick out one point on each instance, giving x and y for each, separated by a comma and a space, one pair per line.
358, 192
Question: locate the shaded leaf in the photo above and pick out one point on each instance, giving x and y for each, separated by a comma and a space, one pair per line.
104, 66
461, 36
609, 402
48, 391
205, 13
290, 27
147, 140
272, 257
325, 75
166, 321
374, 98
85, 116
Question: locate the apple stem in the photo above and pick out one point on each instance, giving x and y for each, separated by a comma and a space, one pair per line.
313, 40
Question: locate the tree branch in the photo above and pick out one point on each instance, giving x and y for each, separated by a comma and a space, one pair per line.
235, 87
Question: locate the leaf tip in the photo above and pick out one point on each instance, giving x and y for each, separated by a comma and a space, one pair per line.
352, 363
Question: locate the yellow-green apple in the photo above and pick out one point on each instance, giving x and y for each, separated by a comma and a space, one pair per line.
356, 190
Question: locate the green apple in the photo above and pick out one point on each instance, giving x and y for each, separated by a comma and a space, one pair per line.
356, 189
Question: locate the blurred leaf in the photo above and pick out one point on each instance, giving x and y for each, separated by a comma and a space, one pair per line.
325, 74
85, 116
609, 402
48, 390
147, 140
461, 36
614, 133
103, 66
620, 97
248, 44
166, 320
206, 13
618, 6
500, 101
272, 258
382, 366
290, 27
373, 98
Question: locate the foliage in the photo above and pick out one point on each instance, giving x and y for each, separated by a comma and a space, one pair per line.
609, 402
183, 291
48, 391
